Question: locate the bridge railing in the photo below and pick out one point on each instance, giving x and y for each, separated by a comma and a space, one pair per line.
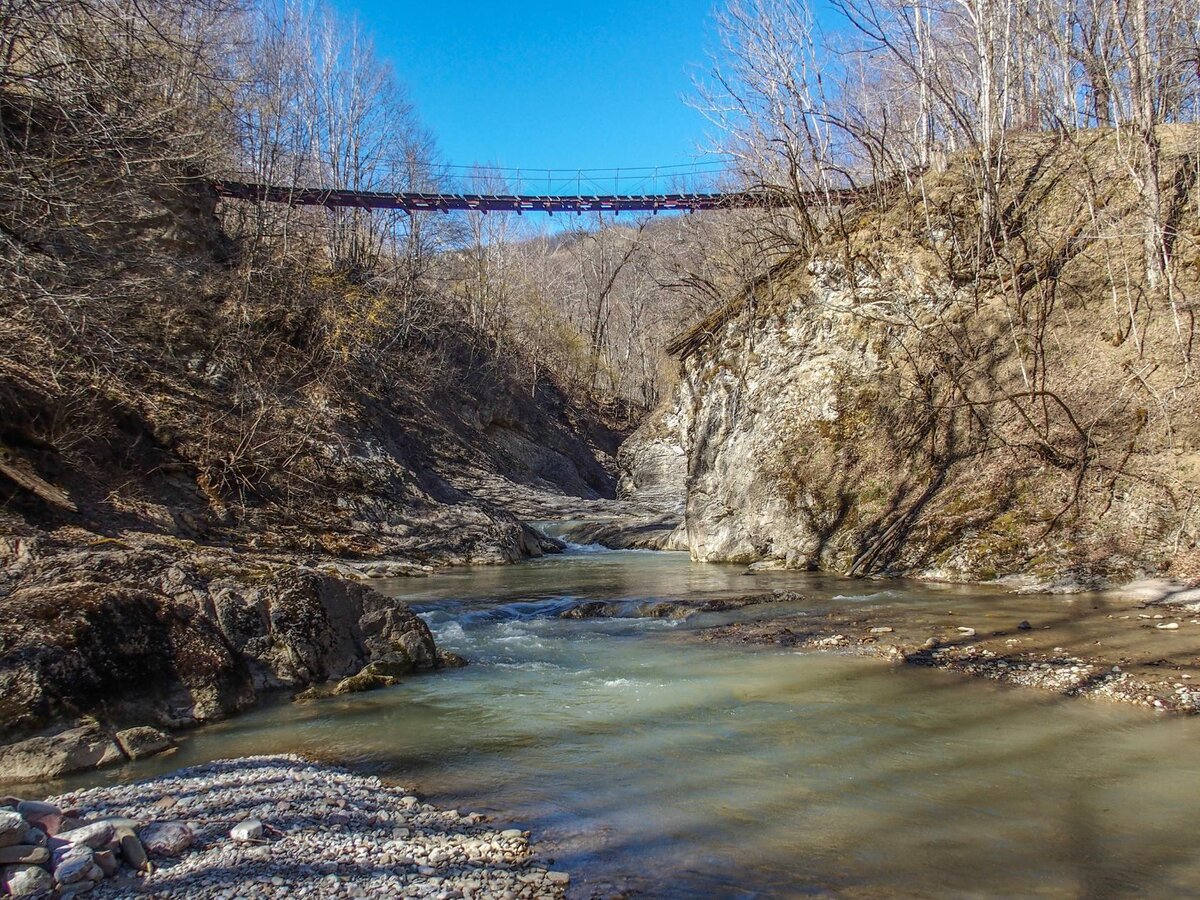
692, 186
412, 202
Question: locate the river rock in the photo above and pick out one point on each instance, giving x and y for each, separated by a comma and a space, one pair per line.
74, 865
133, 852
166, 838
27, 881
107, 861
13, 828
395, 628
25, 854
48, 756
45, 816
70, 823
94, 835
369, 835
142, 741
247, 831
447, 659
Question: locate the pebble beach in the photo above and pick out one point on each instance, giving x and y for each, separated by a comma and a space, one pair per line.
276, 826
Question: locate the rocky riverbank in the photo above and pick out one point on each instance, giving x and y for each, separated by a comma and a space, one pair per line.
1140, 645
275, 826
101, 636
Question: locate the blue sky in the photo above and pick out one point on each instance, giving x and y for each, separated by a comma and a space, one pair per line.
549, 83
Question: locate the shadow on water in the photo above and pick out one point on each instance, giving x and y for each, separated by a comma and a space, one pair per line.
649, 764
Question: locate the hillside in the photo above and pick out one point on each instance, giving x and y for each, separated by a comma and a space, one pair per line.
908, 399
199, 434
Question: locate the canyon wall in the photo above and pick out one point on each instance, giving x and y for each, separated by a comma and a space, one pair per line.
874, 406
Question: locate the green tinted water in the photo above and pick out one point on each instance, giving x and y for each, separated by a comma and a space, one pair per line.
646, 763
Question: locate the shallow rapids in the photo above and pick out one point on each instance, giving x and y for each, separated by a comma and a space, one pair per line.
646, 763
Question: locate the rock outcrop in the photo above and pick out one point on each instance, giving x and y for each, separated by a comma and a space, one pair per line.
134, 635
653, 468
867, 408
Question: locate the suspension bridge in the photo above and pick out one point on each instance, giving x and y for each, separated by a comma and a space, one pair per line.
648, 189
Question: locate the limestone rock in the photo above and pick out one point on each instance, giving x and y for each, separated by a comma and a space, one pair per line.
392, 665
48, 756
363, 681
653, 462
142, 741
389, 628
780, 439
173, 639
449, 660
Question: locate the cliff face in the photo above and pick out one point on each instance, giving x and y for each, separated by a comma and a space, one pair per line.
893, 403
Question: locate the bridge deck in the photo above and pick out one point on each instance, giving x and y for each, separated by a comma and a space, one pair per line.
518, 203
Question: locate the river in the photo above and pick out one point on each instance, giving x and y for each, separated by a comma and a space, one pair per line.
646, 763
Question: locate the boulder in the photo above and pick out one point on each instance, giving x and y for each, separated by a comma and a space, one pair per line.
142, 741
447, 659
389, 626
46, 757
26, 880
174, 640
166, 838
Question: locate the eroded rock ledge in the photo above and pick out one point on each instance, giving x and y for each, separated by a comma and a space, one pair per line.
1130, 650
170, 637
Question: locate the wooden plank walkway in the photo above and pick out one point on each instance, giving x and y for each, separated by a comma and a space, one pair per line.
518, 203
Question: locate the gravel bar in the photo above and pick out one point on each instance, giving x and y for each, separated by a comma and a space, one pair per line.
281, 826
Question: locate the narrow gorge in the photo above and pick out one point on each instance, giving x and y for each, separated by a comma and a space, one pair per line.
812, 511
